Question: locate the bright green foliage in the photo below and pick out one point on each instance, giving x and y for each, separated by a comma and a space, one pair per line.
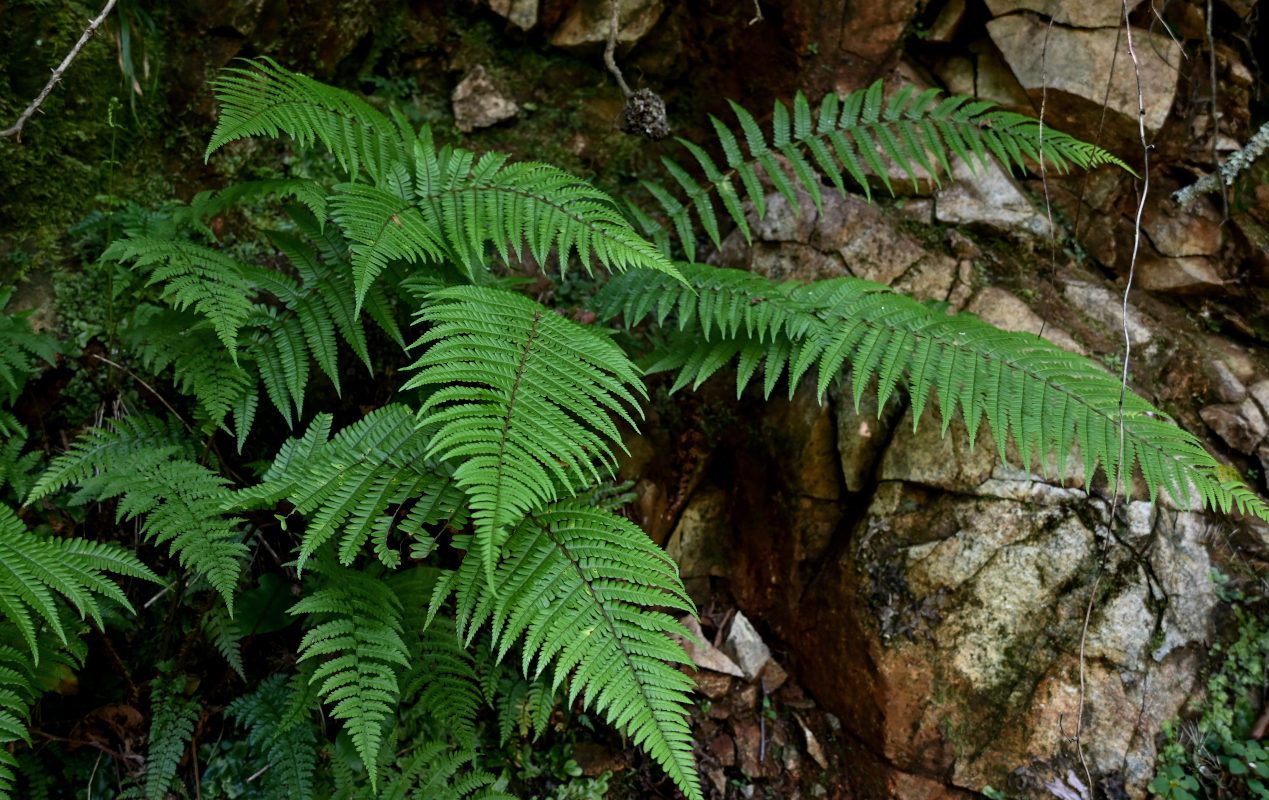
854, 135
173, 715
286, 746
372, 479
35, 570
356, 621
1049, 400
525, 403
578, 584
147, 463
422, 204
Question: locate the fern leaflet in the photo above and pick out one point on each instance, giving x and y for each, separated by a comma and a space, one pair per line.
287, 749
171, 728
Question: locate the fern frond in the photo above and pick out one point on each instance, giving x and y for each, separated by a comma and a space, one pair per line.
148, 464
195, 277
264, 99
171, 728
525, 403
372, 479
579, 585
442, 679
288, 750
358, 637
435, 771
1044, 397
424, 204
853, 135
35, 570
17, 344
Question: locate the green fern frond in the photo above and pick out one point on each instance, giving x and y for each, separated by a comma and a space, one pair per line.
443, 681
358, 637
34, 570
372, 479
171, 728
225, 636
524, 707
424, 204
1044, 397
853, 135
525, 403
148, 464
289, 750
264, 99
195, 277
436, 771
17, 344
579, 585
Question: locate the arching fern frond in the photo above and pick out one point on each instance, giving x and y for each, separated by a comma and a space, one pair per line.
525, 403
148, 465
356, 634
372, 479
578, 585
35, 570
1044, 397
852, 135
264, 99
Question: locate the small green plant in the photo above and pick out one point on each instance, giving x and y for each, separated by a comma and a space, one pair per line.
1214, 755
453, 547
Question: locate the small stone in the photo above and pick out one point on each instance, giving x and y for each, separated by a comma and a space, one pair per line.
985, 195
1077, 13
945, 25
713, 685
521, 13
588, 22
1228, 388
1008, 313
478, 103
723, 749
1260, 392
744, 698
1189, 275
705, 655
813, 748
772, 677
745, 647
1242, 426
718, 779
596, 759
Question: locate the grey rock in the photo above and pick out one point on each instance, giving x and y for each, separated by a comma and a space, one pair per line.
1073, 71
745, 647
1242, 426
1228, 388
521, 13
1007, 312
478, 103
985, 195
1105, 306
1077, 13
588, 21
1190, 275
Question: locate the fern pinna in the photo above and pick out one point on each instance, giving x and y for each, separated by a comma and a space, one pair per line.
509, 419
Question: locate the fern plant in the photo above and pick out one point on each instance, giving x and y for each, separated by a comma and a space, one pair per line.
456, 556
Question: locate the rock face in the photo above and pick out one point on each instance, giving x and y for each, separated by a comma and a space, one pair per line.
1077, 14
1075, 69
588, 22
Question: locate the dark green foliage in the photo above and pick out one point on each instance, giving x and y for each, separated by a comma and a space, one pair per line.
171, 728
18, 343
1049, 400
286, 746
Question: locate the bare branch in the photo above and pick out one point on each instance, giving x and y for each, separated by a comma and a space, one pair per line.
1232, 167
16, 129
